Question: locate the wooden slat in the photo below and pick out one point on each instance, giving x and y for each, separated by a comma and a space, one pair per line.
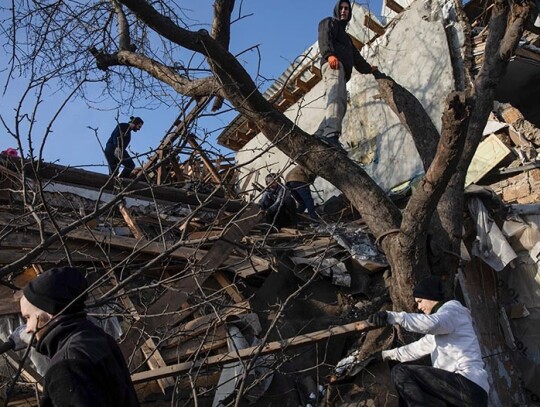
271, 347
229, 287
153, 357
130, 221
28, 373
206, 161
394, 6
155, 361
120, 242
373, 25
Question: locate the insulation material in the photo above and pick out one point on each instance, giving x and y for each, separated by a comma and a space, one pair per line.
330, 267
358, 243
490, 244
525, 280
242, 333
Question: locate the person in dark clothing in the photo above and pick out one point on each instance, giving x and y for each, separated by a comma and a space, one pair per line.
457, 377
278, 204
298, 181
339, 56
86, 367
117, 144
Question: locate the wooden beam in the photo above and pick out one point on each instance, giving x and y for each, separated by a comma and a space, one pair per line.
28, 373
207, 265
229, 287
373, 25
356, 42
301, 84
153, 358
130, 221
206, 161
118, 242
242, 354
155, 361
315, 70
181, 125
394, 6
93, 181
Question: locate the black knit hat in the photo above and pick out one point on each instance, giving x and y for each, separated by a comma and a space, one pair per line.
429, 288
54, 289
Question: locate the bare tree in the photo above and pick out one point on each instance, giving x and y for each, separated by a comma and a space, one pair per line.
127, 43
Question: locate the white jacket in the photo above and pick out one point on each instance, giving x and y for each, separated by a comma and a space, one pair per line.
450, 339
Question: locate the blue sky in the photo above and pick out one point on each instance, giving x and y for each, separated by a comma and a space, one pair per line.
282, 29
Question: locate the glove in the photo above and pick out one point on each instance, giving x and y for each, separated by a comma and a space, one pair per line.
377, 356
345, 364
378, 319
118, 153
333, 62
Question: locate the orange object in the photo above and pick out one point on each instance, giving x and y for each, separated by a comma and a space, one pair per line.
333, 62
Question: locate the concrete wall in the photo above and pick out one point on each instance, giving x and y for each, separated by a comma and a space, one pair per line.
415, 53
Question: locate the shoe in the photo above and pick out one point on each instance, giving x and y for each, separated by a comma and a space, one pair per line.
333, 142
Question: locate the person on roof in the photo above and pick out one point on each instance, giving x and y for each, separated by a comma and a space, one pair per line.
279, 206
298, 181
457, 376
117, 144
86, 367
339, 56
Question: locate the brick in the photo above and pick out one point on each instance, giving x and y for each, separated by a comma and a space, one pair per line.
535, 174
515, 192
533, 198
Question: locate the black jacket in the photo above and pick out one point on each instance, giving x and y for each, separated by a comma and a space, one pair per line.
121, 136
334, 40
87, 367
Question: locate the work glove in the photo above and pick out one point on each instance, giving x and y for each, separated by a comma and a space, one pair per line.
379, 319
345, 364
118, 153
333, 62
377, 356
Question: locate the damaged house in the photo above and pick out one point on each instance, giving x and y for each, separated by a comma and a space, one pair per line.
211, 306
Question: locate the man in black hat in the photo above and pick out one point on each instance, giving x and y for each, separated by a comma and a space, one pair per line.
457, 376
87, 367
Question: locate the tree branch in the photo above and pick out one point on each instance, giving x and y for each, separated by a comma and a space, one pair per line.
221, 26
423, 202
123, 27
192, 88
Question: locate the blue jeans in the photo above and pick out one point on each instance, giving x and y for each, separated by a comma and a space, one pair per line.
302, 195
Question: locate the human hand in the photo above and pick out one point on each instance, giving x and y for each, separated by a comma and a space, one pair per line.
374, 68
379, 319
333, 62
118, 153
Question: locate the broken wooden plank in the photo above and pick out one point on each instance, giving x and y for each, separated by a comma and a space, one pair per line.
489, 153
130, 221
119, 242
155, 360
394, 6
242, 354
229, 287
28, 373
373, 25
153, 357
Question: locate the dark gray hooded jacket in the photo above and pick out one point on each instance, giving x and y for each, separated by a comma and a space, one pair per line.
334, 40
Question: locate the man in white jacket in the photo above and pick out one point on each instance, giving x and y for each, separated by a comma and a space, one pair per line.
457, 376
